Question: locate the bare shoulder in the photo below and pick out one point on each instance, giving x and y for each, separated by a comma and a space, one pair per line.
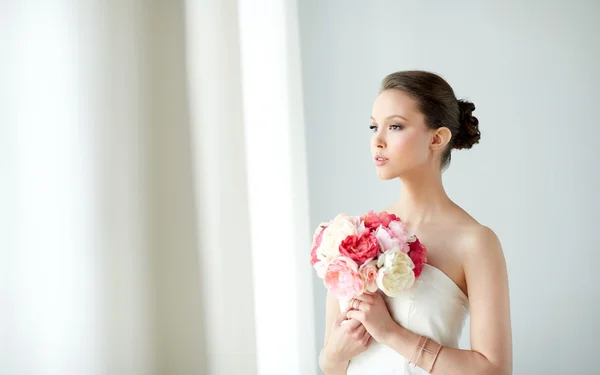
476, 239
482, 256
478, 247
479, 239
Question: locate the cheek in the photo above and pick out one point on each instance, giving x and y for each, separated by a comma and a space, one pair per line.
409, 146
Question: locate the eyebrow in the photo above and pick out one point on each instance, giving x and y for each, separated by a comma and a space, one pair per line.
392, 116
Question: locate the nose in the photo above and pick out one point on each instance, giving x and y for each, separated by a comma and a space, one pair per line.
379, 140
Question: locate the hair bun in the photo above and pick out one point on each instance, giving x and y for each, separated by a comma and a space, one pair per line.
469, 134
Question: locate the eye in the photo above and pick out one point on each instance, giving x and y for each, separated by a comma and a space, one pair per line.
396, 127
373, 128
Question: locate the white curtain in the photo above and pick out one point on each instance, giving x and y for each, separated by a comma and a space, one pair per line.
154, 197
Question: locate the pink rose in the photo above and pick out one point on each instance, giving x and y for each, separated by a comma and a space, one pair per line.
397, 229
418, 254
393, 237
342, 278
388, 240
368, 272
320, 266
373, 220
360, 247
317, 239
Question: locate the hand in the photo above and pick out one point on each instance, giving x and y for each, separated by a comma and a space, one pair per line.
346, 340
370, 310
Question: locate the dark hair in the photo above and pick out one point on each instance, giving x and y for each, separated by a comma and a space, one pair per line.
440, 106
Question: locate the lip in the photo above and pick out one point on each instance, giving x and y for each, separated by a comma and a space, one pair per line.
380, 160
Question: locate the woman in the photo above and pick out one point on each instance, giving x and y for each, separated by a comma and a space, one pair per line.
416, 122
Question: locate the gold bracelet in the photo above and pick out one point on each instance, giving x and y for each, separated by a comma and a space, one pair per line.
410, 360
435, 358
422, 348
421, 352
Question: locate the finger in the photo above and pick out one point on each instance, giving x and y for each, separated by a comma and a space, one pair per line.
352, 324
355, 303
359, 304
366, 298
358, 333
356, 314
366, 336
359, 330
342, 317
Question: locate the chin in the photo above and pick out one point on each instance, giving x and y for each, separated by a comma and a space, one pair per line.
386, 175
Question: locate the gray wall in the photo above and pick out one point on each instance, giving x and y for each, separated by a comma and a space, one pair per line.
532, 71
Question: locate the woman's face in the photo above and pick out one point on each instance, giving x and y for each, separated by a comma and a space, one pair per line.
400, 135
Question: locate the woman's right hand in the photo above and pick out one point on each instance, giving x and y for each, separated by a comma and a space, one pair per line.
346, 340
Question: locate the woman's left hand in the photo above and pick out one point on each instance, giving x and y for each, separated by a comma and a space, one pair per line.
370, 309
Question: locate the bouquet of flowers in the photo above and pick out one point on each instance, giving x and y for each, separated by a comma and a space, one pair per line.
354, 254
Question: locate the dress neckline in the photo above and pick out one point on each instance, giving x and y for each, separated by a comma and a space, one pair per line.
449, 281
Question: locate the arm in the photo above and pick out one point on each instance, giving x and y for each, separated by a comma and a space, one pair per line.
491, 337
326, 362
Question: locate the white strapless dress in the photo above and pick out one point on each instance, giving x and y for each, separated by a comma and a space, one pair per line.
434, 307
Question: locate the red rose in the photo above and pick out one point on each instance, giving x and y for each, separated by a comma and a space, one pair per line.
360, 248
373, 220
418, 254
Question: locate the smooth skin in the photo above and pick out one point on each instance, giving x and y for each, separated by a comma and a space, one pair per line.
465, 250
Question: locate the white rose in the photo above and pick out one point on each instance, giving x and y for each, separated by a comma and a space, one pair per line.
339, 228
395, 273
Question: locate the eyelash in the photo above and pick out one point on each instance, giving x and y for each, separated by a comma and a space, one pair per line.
397, 126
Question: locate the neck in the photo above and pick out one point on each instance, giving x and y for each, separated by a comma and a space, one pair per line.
421, 198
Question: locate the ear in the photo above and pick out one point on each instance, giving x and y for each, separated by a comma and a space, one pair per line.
441, 137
